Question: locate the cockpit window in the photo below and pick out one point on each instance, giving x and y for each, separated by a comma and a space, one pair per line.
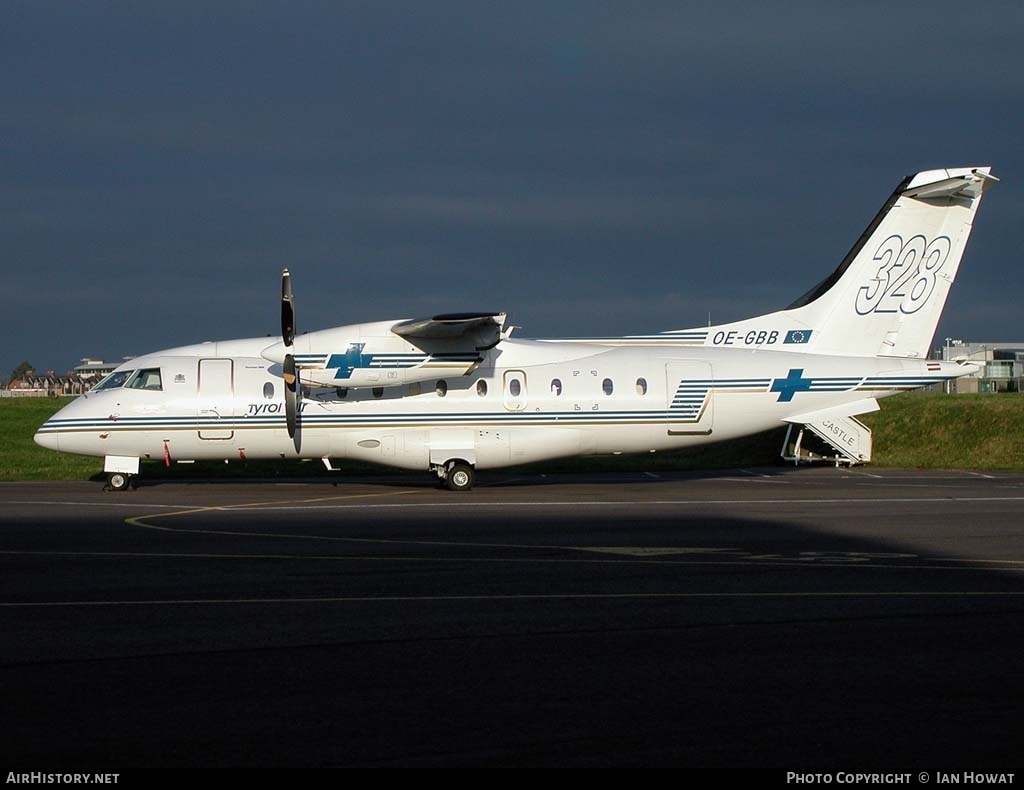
145, 379
114, 380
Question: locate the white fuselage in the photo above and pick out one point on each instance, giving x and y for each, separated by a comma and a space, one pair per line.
526, 401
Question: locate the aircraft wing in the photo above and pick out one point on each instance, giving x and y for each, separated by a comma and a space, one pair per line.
483, 330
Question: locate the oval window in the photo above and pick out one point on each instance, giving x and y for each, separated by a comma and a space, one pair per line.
515, 388
268, 390
607, 386
641, 386
556, 387
481, 388
441, 388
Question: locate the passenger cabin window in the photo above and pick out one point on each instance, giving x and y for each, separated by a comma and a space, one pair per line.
114, 380
607, 386
481, 388
641, 386
556, 387
146, 379
441, 388
514, 394
268, 390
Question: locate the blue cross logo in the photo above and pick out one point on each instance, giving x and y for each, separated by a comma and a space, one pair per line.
793, 383
351, 359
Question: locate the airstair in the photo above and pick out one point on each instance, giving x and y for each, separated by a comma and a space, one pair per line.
846, 441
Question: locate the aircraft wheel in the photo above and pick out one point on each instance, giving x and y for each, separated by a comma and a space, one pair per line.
118, 481
460, 477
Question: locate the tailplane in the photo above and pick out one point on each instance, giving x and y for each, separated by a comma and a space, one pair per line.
886, 296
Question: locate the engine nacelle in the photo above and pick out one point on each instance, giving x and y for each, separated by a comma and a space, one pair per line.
429, 371
371, 355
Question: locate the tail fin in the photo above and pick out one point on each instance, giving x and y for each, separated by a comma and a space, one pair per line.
886, 296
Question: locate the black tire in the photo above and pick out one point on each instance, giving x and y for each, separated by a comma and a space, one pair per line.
460, 477
118, 481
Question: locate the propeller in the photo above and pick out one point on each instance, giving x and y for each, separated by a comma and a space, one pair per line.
291, 378
287, 309
291, 395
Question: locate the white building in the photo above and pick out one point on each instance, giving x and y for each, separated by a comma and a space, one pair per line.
1003, 369
93, 370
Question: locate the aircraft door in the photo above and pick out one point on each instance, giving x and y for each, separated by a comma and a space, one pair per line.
690, 393
514, 391
216, 398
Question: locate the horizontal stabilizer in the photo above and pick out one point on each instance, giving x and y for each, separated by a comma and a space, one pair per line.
966, 186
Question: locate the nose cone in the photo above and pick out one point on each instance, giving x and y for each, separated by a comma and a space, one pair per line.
50, 439
49, 433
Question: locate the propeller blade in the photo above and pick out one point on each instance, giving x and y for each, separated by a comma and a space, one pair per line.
291, 394
287, 309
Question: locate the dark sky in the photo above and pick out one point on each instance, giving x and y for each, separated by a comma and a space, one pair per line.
589, 167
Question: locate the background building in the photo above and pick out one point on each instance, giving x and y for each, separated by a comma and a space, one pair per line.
1002, 371
94, 369
40, 385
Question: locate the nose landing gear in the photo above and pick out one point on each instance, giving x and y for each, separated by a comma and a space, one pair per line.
118, 481
121, 471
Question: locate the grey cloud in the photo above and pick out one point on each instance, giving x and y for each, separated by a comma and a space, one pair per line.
592, 167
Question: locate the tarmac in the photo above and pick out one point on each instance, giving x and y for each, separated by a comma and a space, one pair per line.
796, 619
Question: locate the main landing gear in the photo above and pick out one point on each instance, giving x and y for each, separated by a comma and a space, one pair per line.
119, 481
457, 475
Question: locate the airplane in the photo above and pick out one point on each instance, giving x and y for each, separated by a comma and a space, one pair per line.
457, 393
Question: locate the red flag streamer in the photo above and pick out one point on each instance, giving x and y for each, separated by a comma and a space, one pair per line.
167, 454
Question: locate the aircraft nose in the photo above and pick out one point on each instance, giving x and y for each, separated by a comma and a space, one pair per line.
48, 439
